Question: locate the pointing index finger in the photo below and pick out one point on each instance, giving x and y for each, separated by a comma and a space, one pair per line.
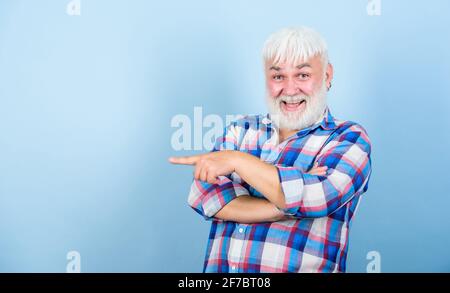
187, 160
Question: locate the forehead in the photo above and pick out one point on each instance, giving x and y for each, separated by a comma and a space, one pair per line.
313, 62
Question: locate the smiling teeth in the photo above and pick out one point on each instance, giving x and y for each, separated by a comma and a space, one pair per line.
295, 102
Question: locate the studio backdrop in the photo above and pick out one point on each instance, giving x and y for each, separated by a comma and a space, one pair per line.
95, 95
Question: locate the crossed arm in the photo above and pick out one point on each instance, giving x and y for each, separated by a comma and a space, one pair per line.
288, 191
258, 174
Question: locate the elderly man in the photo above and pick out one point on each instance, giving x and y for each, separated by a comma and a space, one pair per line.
281, 189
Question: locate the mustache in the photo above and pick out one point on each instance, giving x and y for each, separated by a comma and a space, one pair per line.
292, 99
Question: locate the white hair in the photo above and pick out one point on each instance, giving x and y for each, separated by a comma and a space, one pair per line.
294, 45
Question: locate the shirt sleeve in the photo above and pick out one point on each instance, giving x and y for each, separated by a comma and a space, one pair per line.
207, 199
347, 157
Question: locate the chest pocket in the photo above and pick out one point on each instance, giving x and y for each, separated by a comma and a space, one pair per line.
303, 151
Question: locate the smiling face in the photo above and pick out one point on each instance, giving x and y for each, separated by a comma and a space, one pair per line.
296, 93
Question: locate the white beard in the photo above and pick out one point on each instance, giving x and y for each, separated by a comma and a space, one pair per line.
314, 109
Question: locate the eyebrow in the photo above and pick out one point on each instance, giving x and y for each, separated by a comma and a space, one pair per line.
303, 65
277, 68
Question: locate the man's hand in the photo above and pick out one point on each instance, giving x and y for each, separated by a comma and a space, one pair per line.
221, 163
259, 174
209, 166
318, 171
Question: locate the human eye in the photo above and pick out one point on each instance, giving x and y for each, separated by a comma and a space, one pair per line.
277, 77
304, 76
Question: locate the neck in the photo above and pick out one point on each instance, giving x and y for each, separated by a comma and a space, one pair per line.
285, 133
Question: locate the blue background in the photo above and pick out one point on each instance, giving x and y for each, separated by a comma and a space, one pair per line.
86, 103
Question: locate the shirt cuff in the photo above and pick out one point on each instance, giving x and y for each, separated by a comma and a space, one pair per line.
291, 180
218, 195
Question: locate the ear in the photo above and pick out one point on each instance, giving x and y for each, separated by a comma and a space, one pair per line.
329, 75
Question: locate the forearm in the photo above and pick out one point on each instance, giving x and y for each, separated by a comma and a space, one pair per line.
261, 176
247, 209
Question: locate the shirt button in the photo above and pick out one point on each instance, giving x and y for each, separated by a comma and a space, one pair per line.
241, 230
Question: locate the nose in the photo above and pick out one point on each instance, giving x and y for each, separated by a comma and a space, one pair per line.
291, 89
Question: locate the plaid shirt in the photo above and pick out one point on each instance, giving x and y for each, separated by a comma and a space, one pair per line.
315, 236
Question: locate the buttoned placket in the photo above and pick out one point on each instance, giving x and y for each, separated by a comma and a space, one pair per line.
240, 234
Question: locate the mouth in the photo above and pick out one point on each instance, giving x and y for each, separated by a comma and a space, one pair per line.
293, 106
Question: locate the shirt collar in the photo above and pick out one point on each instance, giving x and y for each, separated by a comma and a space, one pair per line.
326, 121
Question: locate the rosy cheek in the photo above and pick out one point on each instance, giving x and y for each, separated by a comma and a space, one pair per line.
307, 88
274, 89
